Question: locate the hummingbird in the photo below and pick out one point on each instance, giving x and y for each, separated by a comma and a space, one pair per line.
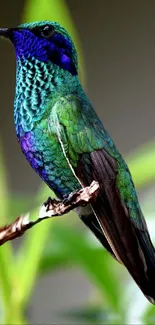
66, 143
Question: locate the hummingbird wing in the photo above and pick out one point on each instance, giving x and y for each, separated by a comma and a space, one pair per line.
91, 222
92, 155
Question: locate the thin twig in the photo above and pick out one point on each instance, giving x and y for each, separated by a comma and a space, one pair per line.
51, 208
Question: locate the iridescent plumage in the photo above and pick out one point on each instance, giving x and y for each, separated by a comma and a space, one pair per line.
66, 144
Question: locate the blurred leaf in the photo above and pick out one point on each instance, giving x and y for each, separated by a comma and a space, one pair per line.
55, 10
6, 256
53, 257
149, 315
29, 257
95, 263
52, 261
142, 165
19, 204
89, 315
4, 194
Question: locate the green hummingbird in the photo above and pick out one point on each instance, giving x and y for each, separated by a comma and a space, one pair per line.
67, 145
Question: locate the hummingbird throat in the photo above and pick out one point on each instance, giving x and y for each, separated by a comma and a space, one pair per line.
37, 84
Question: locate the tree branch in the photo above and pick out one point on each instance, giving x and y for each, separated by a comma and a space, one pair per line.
51, 208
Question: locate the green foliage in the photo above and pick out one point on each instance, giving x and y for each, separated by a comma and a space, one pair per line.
141, 164
52, 244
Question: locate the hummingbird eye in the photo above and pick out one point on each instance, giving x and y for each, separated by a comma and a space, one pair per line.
47, 31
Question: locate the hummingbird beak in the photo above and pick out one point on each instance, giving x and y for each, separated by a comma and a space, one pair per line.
5, 32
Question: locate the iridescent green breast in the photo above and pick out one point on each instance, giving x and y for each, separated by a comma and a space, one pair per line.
38, 85
45, 155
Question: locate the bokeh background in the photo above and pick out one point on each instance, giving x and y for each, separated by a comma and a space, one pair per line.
116, 41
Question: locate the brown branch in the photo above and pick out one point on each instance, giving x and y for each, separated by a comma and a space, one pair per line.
51, 208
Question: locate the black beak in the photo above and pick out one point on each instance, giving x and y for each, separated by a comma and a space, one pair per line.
5, 32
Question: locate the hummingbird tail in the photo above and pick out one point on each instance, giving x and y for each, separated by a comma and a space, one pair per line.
131, 246
127, 238
147, 278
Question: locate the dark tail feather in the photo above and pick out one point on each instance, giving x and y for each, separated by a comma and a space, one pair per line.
146, 277
131, 246
125, 236
148, 250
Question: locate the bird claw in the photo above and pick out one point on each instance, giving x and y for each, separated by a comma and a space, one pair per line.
50, 201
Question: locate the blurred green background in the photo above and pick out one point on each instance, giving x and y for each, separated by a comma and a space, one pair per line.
58, 272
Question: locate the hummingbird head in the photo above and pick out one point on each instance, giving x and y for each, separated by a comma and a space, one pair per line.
45, 41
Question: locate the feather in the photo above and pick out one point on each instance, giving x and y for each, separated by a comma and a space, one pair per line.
116, 208
130, 244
